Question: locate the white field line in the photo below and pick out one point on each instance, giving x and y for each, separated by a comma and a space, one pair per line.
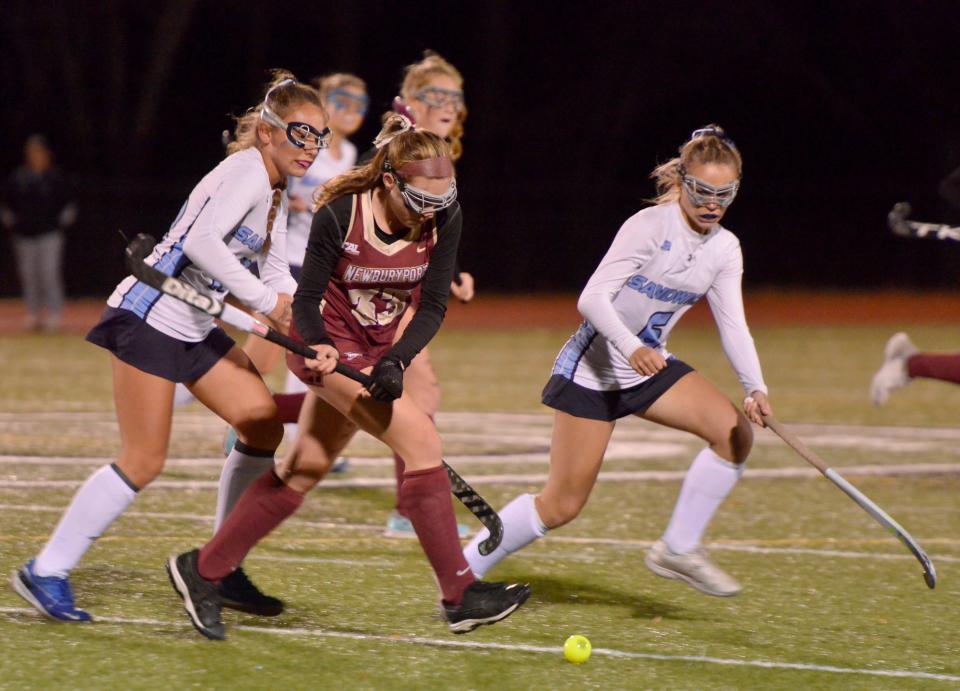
738, 546
203, 518
469, 421
526, 427
522, 648
615, 452
539, 478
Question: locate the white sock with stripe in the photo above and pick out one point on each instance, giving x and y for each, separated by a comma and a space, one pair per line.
244, 465
706, 485
99, 502
521, 526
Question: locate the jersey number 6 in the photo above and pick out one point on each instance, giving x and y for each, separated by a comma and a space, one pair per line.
650, 334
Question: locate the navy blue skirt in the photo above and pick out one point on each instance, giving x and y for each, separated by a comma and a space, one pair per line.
563, 394
138, 344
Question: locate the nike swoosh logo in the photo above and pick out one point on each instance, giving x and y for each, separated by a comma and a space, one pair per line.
464, 572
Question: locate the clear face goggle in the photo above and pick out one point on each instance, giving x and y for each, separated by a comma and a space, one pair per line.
300, 134
438, 97
341, 99
420, 201
704, 194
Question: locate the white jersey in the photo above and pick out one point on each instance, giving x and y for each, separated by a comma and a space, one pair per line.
214, 244
655, 270
324, 168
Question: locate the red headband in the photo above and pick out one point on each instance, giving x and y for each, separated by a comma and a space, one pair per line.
439, 167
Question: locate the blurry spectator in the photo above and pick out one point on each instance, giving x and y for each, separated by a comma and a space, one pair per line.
37, 207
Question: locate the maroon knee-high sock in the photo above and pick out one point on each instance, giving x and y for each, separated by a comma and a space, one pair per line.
942, 366
425, 499
264, 506
288, 405
399, 468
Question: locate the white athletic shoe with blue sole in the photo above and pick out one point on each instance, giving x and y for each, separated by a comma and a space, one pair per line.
400, 526
49, 595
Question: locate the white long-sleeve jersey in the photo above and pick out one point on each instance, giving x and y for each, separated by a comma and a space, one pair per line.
216, 239
655, 270
323, 169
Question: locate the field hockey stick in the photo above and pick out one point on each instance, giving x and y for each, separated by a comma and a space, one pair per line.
881, 516
142, 245
901, 225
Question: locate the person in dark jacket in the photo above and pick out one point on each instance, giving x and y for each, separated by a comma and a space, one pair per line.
37, 209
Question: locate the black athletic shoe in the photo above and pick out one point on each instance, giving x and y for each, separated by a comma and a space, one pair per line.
201, 598
485, 603
238, 592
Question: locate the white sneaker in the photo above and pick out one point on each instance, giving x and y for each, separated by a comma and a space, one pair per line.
401, 526
693, 567
893, 373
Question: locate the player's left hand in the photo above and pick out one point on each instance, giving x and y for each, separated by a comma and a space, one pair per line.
463, 291
755, 406
387, 376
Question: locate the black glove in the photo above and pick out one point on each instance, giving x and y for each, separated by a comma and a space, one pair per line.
387, 376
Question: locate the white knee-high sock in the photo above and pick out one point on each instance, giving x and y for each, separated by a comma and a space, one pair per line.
244, 465
182, 396
99, 502
707, 484
521, 526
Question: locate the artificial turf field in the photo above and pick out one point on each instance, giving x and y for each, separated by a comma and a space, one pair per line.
829, 601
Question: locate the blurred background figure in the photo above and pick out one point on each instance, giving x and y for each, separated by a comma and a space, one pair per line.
902, 360
37, 208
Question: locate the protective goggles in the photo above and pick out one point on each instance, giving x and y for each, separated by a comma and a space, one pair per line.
341, 99
300, 134
437, 97
704, 194
420, 201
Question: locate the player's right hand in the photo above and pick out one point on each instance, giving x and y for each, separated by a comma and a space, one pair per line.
326, 360
647, 361
282, 312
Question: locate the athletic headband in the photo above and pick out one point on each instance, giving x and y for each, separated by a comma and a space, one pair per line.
438, 167
420, 201
712, 132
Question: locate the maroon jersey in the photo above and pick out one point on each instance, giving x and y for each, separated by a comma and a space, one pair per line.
363, 280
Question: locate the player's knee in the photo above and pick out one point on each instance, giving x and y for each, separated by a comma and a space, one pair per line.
311, 455
741, 440
141, 467
260, 427
555, 512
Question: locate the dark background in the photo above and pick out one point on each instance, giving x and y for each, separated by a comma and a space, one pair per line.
840, 110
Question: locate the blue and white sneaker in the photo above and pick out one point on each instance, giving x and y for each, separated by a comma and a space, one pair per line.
340, 465
50, 595
400, 526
